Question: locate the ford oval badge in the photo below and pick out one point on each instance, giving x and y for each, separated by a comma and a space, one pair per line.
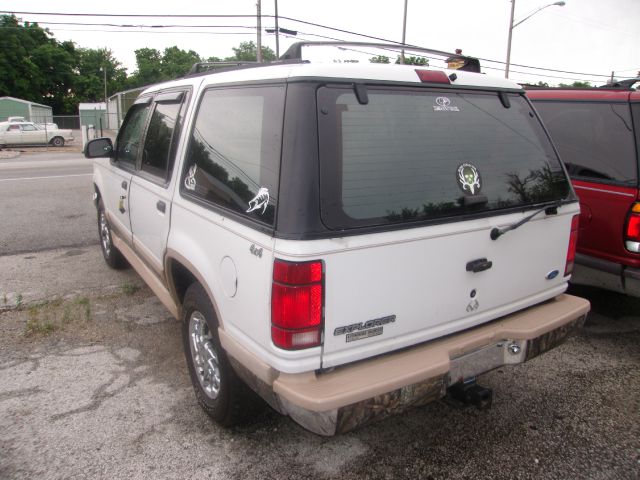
552, 275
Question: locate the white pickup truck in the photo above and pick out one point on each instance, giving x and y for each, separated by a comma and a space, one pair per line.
343, 240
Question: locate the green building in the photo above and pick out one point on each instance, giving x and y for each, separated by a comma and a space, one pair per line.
31, 111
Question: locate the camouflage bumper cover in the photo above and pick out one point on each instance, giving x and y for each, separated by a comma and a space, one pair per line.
347, 418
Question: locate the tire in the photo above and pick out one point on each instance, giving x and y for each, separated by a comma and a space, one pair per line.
219, 391
57, 142
112, 256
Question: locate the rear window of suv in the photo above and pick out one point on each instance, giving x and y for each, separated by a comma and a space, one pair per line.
413, 155
595, 139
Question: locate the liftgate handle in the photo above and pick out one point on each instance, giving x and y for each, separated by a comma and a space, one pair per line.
479, 265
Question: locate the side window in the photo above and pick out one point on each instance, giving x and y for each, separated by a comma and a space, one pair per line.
129, 137
162, 136
595, 140
28, 128
233, 156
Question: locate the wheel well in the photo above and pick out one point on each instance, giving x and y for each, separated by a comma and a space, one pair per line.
96, 196
181, 278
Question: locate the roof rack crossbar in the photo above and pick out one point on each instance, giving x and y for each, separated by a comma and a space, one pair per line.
294, 52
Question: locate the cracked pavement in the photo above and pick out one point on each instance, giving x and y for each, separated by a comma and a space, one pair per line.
108, 396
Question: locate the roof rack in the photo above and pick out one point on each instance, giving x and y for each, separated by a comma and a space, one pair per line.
201, 67
623, 84
294, 55
470, 64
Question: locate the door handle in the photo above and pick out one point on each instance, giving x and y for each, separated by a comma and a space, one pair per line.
124, 184
479, 265
161, 206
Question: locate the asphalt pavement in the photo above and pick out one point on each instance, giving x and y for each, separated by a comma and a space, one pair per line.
45, 202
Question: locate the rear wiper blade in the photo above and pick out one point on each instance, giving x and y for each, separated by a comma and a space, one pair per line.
551, 209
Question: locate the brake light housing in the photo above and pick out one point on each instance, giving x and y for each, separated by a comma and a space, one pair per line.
433, 76
632, 229
573, 243
297, 298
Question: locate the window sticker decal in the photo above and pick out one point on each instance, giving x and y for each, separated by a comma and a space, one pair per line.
469, 179
443, 104
261, 200
190, 179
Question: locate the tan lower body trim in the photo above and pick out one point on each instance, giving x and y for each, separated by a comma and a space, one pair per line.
363, 380
155, 284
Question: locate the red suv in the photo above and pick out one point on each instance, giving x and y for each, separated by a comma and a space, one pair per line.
597, 133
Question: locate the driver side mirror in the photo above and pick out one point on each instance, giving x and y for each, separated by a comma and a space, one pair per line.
98, 148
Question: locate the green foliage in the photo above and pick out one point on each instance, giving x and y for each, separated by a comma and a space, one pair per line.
33, 65
380, 59
420, 61
154, 67
129, 289
248, 52
576, 85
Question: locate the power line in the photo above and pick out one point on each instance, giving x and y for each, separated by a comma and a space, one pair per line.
348, 32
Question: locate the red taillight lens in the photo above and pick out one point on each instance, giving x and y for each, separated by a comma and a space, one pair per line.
632, 230
573, 242
296, 304
433, 76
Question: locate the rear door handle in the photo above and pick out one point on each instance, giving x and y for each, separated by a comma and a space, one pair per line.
124, 184
161, 206
479, 265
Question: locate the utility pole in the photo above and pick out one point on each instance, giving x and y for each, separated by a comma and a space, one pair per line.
259, 46
513, 8
404, 32
277, 31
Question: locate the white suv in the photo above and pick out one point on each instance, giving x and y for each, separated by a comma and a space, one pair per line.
342, 238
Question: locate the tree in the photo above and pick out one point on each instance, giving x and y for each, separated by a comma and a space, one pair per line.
248, 52
33, 65
576, 85
176, 63
420, 61
91, 64
148, 61
379, 59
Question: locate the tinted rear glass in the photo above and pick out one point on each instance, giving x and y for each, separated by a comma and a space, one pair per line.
412, 155
595, 140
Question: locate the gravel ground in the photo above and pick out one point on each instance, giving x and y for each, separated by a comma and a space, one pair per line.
93, 384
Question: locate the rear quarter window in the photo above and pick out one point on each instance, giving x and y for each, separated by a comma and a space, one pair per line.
595, 139
233, 156
406, 155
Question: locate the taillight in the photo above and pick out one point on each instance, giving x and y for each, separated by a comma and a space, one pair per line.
296, 304
632, 230
573, 242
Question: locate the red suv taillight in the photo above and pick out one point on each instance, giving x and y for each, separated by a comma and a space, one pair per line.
632, 230
296, 304
573, 242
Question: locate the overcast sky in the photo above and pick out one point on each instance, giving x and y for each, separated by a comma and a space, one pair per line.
584, 36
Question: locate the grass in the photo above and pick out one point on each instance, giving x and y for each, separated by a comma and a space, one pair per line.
44, 318
129, 289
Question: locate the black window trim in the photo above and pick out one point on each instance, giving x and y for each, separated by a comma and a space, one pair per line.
185, 194
180, 94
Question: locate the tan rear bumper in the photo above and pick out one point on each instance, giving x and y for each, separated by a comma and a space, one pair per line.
340, 400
